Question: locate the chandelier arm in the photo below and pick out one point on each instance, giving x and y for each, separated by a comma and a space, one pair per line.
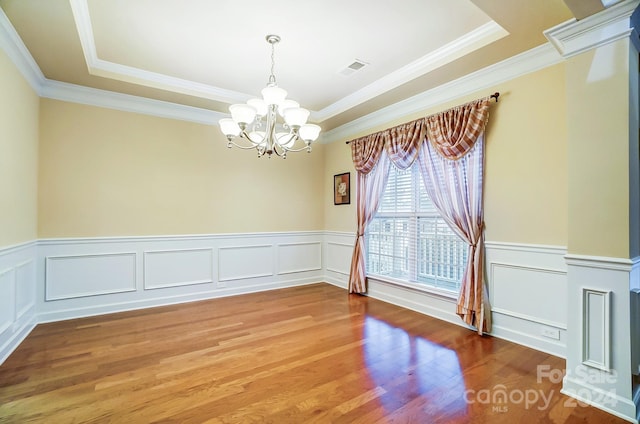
245, 135
280, 149
305, 147
277, 151
239, 146
293, 137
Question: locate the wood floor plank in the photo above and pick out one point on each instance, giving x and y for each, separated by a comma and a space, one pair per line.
305, 354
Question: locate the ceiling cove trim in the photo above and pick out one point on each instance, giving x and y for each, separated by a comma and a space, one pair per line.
574, 37
107, 69
12, 45
58, 90
568, 39
474, 40
522, 64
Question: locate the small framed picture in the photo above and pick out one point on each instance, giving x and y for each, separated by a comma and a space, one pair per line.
341, 189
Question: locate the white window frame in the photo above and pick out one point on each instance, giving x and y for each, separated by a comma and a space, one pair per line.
405, 253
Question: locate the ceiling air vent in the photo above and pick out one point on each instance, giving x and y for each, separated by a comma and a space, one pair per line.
353, 67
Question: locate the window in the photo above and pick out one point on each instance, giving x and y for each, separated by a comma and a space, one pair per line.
407, 240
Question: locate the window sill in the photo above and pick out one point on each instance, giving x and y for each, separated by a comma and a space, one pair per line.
417, 287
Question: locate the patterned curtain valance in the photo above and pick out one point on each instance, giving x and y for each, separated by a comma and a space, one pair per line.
365, 151
452, 133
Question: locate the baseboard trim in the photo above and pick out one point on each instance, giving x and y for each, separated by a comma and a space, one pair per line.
18, 337
525, 339
624, 408
410, 303
89, 311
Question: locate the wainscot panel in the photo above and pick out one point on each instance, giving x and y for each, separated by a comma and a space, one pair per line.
527, 287
17, 295
171, 268
337, 252
299, 257
245, 262
89, 275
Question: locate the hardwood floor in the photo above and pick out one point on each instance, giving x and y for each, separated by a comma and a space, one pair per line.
304, 354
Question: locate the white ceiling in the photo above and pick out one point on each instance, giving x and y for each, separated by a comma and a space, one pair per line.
209, 54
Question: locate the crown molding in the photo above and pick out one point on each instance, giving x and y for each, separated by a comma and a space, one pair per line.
17, 52
116, 71
522, 64
567, 39
474, 40
108, 99
574, 37
12, 45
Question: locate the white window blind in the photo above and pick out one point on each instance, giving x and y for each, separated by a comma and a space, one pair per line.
407, 240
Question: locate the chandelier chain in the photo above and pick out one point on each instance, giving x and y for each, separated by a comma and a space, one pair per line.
272, 77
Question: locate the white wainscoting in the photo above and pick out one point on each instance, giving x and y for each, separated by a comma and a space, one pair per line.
338, 249
70, 278
84, 277
599, 352
17, 295
528, 293
8, 299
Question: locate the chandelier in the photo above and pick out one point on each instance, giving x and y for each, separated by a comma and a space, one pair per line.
255, 124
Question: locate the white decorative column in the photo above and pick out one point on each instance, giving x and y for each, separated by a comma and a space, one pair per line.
598, 369
602, 125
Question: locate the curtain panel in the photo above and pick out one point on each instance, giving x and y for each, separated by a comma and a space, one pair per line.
451, 167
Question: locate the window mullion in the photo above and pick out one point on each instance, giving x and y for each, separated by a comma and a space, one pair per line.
413, 225
408, 240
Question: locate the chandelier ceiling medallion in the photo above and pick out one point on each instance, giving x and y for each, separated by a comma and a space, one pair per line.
255, 124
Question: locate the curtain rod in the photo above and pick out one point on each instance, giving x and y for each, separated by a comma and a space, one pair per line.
493, 96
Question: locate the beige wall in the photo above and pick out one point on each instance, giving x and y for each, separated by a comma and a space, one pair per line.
526, 165
598, 122
18, 156
526, 162
337, 161
110, 173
